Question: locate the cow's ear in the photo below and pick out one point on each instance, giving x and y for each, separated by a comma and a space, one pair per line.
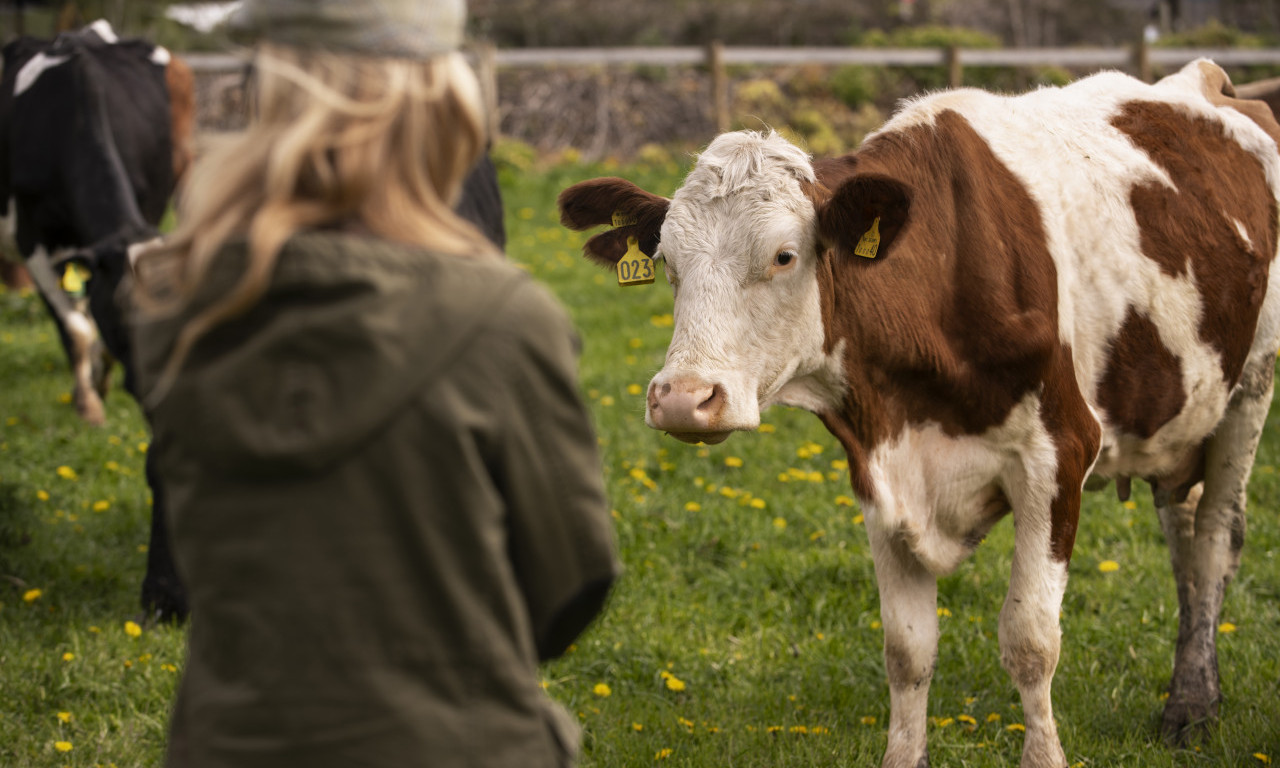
631, 211
864, 217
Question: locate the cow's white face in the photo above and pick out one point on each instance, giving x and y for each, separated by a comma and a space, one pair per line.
739, 243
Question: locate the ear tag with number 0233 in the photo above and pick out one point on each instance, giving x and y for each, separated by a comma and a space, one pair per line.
621, 219
869, 245
635, 267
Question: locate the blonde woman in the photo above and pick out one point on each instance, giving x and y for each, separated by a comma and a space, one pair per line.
386, 500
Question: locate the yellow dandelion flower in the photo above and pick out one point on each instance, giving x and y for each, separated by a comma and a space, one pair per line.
767, 428
780, 523
635, 389
42, 495
944, 612
844, 501
101, 506
607, 400
68, 656
994, 717
815, 477
1108, 566
64, 717
839, 464
112, 466
967, 719
800, 729
674, 683
66, 473
1131, 505
1226, 627
1262, 758
662, 321
783, 477
943, 722
602, 690
857, 519
758, 503
773, 729
875, 624
132, 629
692, 506
64, 398
635, 343
663, 753
637, 727
169, 667
868, 720
1015, 727
685, 722
31, 595
817, 535
62, 746
730, 493
732, 461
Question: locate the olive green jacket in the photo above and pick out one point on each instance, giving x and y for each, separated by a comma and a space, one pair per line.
387, 505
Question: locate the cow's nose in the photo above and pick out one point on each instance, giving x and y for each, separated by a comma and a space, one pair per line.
685, 405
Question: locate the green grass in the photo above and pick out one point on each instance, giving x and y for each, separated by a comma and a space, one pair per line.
756, 593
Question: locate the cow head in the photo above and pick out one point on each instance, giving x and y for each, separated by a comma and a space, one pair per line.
744, 243
109, 263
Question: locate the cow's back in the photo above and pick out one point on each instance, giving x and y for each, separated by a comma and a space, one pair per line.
1159, 211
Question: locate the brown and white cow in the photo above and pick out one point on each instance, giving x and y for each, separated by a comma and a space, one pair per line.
1074, 281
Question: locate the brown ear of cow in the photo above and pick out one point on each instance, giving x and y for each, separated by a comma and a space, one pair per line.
595, 202
853, 210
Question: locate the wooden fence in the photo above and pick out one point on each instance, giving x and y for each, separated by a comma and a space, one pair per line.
1141, 60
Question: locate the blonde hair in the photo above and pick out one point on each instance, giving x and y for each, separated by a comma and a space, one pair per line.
379, 144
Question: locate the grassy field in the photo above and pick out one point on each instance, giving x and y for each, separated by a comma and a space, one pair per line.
744, 631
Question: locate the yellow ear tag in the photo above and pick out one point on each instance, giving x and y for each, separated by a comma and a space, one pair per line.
635, 268
73, 279
869, 245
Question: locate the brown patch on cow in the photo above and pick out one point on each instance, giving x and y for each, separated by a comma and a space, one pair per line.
181, 85
962, 325
594, 203
1192, 228
1141, 389
1077, 436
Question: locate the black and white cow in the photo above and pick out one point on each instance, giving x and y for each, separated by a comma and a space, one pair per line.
87, 153
94, 133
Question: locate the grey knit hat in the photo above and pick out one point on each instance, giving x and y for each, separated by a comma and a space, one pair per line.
394, 28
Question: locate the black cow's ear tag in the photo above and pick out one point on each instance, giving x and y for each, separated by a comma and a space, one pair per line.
635, 267
869, 245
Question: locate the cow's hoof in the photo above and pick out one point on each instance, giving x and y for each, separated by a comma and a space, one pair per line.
90, 408
1187, 721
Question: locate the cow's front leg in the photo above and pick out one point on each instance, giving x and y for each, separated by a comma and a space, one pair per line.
909, 613
1205, 535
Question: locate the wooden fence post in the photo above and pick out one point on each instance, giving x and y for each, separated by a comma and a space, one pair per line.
719, 86
487, 73
1142, 60
955, 70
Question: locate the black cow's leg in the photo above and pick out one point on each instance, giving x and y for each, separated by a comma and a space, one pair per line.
163, 596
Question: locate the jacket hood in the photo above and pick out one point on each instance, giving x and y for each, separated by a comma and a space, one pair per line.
350, 329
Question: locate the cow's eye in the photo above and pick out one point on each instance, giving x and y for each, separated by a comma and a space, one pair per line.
784, 258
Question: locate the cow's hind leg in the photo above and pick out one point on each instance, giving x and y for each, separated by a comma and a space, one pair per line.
909, 613
1205, 534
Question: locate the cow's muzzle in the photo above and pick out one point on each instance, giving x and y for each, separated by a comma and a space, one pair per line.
688, 409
